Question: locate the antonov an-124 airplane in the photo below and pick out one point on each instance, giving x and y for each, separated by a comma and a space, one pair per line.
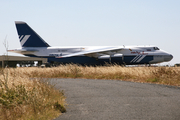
33, 45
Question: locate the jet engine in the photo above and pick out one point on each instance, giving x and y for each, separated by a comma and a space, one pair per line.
116, 58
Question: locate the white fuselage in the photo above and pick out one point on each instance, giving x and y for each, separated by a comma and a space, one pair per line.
130, 54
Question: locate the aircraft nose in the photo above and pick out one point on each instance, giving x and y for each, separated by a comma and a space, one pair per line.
168, 57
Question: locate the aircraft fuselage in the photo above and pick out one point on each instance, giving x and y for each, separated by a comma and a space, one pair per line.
129, 55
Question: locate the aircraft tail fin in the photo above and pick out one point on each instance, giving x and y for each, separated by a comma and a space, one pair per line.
28, 37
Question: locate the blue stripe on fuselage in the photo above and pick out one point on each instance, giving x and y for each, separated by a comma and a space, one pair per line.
92, 61
145, 60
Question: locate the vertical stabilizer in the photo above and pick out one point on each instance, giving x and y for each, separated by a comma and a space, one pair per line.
28, 37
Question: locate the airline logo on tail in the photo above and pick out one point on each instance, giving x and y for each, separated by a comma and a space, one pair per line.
23, 38
28, 37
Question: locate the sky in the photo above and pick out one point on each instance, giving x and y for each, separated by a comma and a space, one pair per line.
95, 23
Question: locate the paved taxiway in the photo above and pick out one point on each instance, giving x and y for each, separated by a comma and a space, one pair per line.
118, 100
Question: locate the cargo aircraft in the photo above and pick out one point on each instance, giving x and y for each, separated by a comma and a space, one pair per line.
33, 45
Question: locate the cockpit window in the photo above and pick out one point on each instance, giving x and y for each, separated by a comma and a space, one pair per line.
156, 48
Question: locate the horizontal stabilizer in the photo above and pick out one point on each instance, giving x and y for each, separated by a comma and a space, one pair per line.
23, 51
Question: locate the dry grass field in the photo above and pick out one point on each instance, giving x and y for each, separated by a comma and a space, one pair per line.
25, 94
24, 98
158, 75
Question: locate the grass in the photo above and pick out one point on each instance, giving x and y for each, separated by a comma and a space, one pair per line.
22, 98
158, 75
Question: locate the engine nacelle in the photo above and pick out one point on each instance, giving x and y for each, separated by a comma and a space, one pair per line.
116, 58
116, 55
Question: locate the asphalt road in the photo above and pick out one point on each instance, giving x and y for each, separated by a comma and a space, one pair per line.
118, 100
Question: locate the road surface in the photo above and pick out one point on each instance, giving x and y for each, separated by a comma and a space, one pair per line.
118, 100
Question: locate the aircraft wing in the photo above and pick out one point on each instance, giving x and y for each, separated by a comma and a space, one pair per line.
95, 52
